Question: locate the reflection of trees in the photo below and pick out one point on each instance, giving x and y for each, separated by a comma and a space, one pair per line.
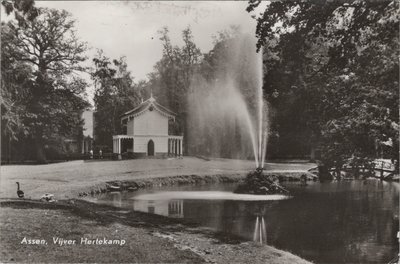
344, 222
233, 217
337, 226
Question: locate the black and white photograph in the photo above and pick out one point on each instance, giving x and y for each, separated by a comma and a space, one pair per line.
258, 132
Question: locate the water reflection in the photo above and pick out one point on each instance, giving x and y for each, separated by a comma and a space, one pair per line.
116, 198
169, 208
337, 222
260, 231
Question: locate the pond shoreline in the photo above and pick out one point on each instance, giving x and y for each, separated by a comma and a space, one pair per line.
193, 179
189, 242
182, 242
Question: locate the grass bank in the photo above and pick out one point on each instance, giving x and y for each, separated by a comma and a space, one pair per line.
69, 179
187, 180
148, 238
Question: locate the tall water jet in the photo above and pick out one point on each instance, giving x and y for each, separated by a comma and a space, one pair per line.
264, 150
252, 90
260, 116
226, 106
262, 119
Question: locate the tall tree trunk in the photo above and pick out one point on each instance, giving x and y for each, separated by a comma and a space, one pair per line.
40, 155
38, 142
313, 154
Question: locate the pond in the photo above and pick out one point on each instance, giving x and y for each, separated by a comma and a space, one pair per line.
331, 222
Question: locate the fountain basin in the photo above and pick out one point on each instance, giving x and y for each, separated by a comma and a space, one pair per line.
258, 183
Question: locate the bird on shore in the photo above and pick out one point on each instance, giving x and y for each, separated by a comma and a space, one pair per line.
20, 193
48, 197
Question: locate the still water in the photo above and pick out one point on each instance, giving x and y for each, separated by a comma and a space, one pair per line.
332, 222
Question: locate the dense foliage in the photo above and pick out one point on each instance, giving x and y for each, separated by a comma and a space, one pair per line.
330, 79
115, 93
42, 98
172, 76
23, 10
332, 76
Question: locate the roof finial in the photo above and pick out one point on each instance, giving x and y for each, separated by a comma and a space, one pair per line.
151, 99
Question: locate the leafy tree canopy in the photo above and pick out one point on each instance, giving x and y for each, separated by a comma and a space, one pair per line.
336, 62
40, 58
115, 93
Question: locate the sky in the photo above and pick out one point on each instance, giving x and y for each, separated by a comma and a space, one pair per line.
129, 28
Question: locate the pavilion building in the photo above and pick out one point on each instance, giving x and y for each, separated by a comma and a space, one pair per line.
146, 130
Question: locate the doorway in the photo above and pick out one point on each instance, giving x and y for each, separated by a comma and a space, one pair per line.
150, 148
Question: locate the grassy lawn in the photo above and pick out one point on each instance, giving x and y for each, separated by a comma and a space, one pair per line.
149, 239
65, 180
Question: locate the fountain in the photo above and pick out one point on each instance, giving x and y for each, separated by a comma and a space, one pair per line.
230, 108
256, 182
220, 110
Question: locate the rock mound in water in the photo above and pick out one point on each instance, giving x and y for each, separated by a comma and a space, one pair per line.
258, 183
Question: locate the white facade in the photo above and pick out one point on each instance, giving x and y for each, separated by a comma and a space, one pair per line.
147, 132
150, 123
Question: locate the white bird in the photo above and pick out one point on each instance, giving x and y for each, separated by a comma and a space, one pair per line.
48, 197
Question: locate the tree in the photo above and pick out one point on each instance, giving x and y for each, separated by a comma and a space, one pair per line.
23, 9
53, 100
173, 77
319, 63
115, 93
15, 85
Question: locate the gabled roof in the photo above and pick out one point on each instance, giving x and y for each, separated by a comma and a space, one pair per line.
144, 106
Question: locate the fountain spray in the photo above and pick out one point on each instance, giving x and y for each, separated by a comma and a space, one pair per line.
262, 131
